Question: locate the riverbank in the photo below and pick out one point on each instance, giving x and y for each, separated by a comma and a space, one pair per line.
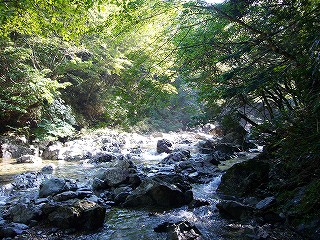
161, 181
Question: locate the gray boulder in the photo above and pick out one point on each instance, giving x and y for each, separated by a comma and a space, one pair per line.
29, 159
53, 186
124, 172
164, 146
176, 157
15, 150
182, 230
235, 209
23, 213
103, 157
28, 180
243, 179
265, 203
11, 230
76, 214
160, 191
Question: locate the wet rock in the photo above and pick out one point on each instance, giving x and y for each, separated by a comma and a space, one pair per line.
235, 209
54, 186
15, 147
219, 151
103, 157
207, 146
197, 169
23, 213
77, 214
65, 196
176, 157
164, 191
124, 172
195, 203
235, 136
121, 194
29, 159
48, 169
164, 146
12, 230
52, 152
182, 230
265, 203
242, 231
243, 179
28, 180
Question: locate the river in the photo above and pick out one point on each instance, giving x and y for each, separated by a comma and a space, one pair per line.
122, 223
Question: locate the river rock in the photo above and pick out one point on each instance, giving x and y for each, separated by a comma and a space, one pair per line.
23, 213
265, 203
176, 157
103, 157
243, 179
29, 159
182, 230
197, 169
28, 180
53, 186
235, 136
52, 152
164, 146
11, 230
80, 194
195, 203
160, 190
234, 209
219, 151
124, 172
48, 169
77, 214
14, 151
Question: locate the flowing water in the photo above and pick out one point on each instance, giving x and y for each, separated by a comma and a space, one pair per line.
124, 223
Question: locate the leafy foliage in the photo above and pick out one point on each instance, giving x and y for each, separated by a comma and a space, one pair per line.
257, 58
25, 89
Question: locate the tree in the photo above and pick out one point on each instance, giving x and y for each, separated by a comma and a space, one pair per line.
255, 55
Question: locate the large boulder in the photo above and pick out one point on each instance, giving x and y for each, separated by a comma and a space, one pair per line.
15, 147
235, 209
76, 214
53, 186
23, 213
52, 152
160, 190
103, 157
124, 172
198, 169
28, 180
11, 230
182, 230
243, 179
219, 151
164, 146
176, 157
29, 159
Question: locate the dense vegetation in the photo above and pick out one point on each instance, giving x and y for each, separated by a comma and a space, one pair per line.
66, 64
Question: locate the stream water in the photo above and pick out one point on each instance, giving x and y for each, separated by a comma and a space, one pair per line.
122, 223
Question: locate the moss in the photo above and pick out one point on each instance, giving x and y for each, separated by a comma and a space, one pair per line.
311, 199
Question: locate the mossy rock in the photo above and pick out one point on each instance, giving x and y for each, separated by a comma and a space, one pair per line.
243, 179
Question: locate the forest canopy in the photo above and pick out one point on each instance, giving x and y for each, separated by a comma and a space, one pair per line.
65, 64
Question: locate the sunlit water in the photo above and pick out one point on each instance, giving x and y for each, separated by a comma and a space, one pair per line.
133, 223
